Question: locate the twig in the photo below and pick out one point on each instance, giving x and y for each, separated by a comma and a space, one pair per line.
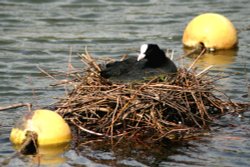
86, 130
197, 58
28, 105
203, 71
46, 73
90, 61
189, 53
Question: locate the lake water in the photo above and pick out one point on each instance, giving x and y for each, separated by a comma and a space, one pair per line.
43, 32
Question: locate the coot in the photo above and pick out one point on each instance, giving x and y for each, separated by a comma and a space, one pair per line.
150, 62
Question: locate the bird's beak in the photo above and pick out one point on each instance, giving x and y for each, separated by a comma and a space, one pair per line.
141, 56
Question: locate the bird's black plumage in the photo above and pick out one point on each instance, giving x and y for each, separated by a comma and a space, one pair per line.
150, 62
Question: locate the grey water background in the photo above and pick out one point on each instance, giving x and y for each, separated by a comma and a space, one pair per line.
43, 32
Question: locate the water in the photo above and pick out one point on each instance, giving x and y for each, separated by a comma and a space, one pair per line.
42, 33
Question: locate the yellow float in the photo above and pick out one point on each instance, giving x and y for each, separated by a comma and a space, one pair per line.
212, 30
50, 127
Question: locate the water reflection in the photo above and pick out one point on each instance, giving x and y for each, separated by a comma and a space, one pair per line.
220, 59
129, 152
48, 155
51, 155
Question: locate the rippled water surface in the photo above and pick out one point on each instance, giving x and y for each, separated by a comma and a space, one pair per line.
43, 32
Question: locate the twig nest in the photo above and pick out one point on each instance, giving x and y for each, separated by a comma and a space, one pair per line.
49, 126
212, 30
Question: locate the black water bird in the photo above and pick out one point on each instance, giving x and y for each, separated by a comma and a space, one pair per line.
150, 62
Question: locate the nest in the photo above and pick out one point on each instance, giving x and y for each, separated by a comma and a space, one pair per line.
152, 110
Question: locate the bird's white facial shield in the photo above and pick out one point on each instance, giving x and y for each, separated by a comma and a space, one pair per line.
143, 50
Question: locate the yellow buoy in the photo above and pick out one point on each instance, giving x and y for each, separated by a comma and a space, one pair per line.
213, 30
48, 125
